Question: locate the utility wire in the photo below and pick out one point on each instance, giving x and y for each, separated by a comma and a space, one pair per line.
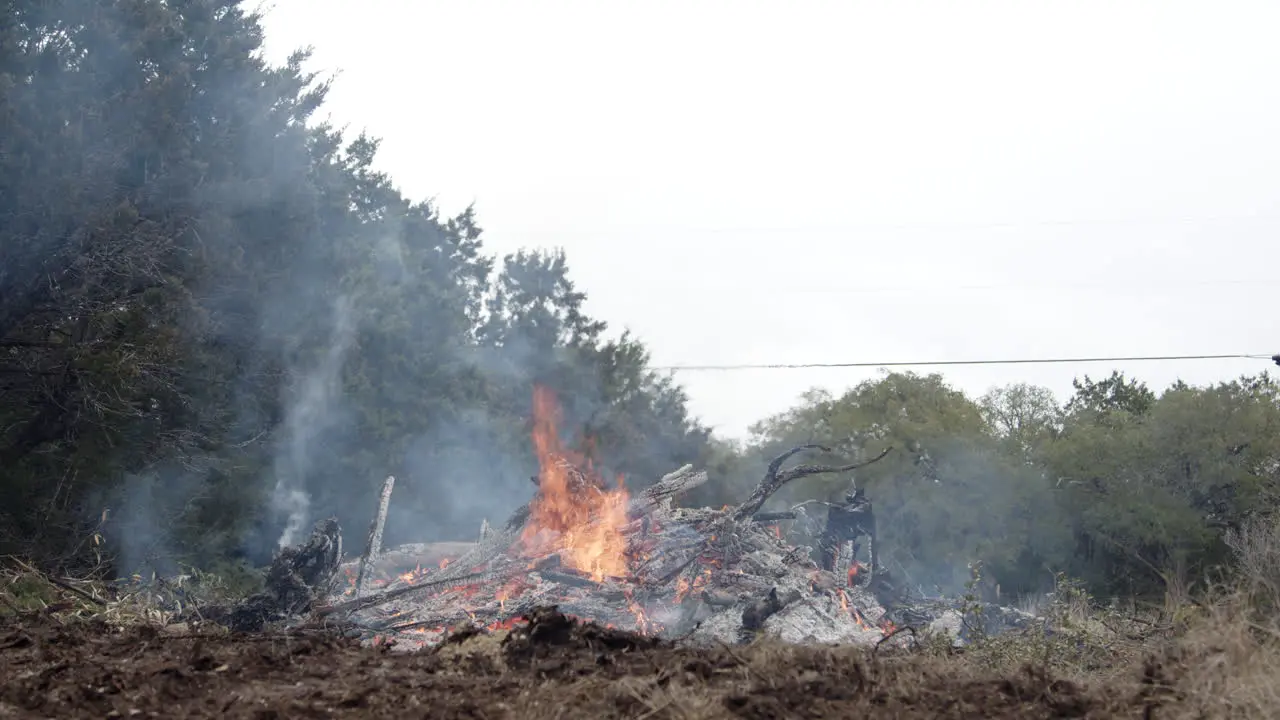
1020, 361
847, 289
985, 224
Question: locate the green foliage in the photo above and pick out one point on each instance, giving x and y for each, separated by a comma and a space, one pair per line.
1115, 393
944, 496
1131, 492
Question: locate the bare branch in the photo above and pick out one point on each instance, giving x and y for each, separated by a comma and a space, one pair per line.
774, 479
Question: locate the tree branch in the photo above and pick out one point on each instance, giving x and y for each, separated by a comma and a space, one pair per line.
774, 479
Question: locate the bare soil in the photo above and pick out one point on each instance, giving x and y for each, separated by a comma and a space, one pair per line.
551, 667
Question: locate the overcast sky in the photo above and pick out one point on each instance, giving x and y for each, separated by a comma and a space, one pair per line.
797, 182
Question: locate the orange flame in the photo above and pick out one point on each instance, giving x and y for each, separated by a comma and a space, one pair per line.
580, 520
857, 618
507, 624
644, 624
684, 587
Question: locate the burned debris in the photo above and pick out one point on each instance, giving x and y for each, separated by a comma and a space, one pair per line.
847, 523
374, 546
298, 578
635, 563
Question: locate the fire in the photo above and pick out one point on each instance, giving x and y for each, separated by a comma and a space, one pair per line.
508, 624
644, 624
853, 574
512, 588
684, 587
857, 618
582, 521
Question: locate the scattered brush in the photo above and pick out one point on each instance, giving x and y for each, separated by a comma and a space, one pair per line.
154, 600
24, 589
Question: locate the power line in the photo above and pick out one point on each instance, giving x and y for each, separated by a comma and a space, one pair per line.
775, 290
983, 224
928, 363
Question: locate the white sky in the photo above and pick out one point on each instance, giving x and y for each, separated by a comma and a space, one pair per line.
793, 182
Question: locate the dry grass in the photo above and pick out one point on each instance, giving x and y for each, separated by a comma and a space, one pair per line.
151, 601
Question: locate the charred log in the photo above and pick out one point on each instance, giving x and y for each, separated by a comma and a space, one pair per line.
299, 577
846, 523
767, 518
659, 495
755, 614
374, 546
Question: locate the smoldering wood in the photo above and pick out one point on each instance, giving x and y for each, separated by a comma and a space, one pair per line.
548, 563
419, 588
767, 518
846, 524
661, 493
462, 571
718, 599
298, 578
723, 573
754, 614
569, 579
373, 547
494, 546
425, 553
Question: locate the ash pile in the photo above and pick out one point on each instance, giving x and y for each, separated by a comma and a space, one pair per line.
641, 564
638, 564
598, 554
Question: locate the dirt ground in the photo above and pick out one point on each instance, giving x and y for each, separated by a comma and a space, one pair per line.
550, 668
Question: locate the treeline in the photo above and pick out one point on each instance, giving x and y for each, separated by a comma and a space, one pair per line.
217, 319
1132, 492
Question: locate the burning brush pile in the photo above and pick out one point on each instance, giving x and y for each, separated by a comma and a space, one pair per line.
598, 553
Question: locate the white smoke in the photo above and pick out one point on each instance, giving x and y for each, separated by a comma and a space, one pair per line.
311, 411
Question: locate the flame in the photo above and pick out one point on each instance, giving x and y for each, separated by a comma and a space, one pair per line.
861, 621
853, 574
777, 531
684, 587
512, 588
644, 624
580, 520
412, 576
507, 624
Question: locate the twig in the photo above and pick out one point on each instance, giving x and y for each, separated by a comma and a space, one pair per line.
741, 661
420, 587
64, 585
905, 628
77, 591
